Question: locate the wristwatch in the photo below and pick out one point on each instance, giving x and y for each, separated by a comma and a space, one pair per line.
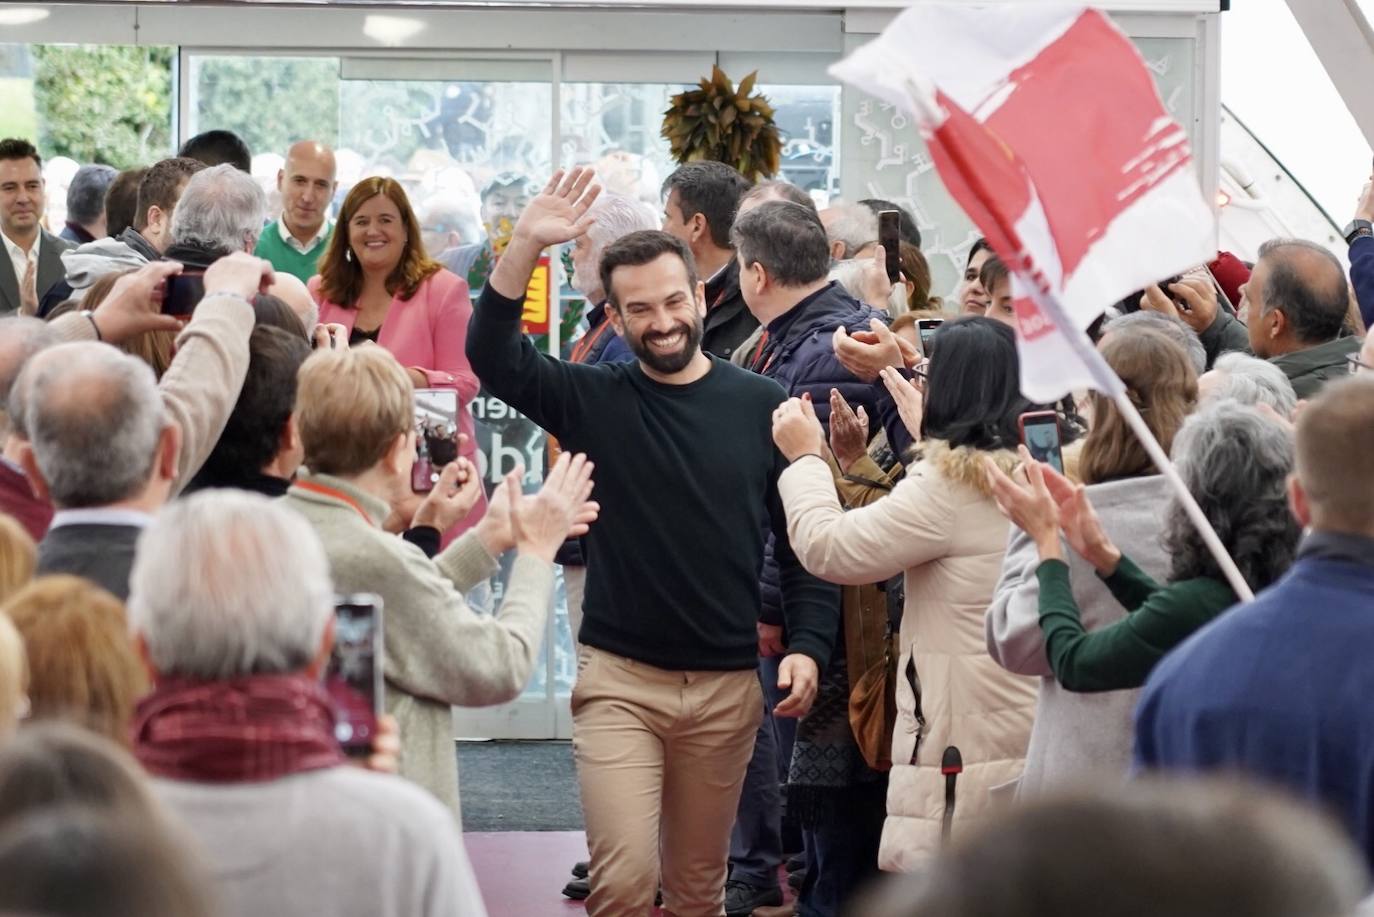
1356, 228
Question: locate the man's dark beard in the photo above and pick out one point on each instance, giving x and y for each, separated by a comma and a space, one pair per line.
667, 364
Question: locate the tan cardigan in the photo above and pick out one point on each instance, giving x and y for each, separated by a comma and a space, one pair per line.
202, 385
939, 525
439, 652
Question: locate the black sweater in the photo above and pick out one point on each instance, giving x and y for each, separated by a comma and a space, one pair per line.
686, 476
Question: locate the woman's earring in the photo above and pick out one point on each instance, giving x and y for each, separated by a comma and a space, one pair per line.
348, 254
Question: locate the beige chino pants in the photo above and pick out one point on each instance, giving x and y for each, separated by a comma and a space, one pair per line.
660, 757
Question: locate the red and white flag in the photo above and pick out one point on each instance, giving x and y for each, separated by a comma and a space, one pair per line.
1046, 127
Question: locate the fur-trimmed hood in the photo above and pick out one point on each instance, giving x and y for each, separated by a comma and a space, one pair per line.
964, 464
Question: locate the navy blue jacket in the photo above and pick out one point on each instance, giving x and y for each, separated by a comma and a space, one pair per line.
1362, 276
800, 356
1280, 689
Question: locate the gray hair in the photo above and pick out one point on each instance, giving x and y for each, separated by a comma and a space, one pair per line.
617, 215
776, 190
1173, 328
222, 209
854, 225
1250, 380
1316, 307
94, 416
1235, 462
850, 272
227, 583
787, 239
21, 336
86, 193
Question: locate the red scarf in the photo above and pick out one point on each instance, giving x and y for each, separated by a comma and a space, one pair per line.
242, 730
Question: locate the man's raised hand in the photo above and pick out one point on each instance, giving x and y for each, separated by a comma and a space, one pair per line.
560, 212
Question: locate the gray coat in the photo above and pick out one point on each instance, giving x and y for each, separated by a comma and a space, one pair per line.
1076, 737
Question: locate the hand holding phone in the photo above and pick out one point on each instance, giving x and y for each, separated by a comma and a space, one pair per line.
925, 329
1040, 436
354, 677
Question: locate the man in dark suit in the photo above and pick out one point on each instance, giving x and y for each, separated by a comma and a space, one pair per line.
33, 256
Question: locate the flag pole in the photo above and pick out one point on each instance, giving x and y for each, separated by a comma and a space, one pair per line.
1089, 354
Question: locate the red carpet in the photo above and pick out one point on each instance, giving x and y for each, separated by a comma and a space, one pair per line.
522, 873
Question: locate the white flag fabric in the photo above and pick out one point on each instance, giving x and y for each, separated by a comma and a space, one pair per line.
1046, 127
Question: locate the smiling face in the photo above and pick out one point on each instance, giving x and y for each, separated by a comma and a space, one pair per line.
974, 299
21, 198
377, 235
307, 185
658, 313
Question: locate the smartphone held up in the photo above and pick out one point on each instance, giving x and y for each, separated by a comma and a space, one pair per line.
436, 436
354, 676
1041, 437
181, 293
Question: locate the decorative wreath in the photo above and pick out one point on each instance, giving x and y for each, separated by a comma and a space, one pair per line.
721, 123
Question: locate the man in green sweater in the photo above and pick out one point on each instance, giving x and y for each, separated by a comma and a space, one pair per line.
294, 242
667, 700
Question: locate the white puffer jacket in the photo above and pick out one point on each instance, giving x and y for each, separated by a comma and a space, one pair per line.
941, 526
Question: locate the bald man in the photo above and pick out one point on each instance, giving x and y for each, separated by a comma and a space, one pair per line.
1295, 306
295, 241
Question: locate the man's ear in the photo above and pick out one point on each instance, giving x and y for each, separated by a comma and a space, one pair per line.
146, 657
1276, 322
1298, 502
156, 218
281, 176
290, 439
29, 462
169, 451
700, 228
318, 664
837, 250
701, 298
615, 318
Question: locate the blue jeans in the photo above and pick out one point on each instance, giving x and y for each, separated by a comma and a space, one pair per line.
756, 840
842, 854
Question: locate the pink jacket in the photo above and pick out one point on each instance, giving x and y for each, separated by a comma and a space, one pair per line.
428, 334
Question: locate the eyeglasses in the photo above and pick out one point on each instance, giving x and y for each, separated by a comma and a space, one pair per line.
1356, 365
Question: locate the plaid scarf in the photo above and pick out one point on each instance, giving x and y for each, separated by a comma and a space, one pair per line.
242, 730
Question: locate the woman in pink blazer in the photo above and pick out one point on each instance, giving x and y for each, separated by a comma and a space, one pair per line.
376, 280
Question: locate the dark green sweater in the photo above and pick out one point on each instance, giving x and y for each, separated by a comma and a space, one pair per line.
686, 476
1121, 655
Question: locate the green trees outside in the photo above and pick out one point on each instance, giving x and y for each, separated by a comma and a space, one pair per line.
104, 103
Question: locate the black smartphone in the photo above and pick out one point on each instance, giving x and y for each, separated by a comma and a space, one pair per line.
183, 292
436, 436
1040, 435
889, 237
354, 677
926, 328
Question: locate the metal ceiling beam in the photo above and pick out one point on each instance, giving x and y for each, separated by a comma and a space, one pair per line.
1344, 43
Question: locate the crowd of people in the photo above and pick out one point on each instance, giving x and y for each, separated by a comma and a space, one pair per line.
833, 619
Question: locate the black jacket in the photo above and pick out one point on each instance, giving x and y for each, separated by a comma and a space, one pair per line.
728, 319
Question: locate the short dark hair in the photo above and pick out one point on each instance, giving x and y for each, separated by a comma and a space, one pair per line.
787, 239
994, 271
19, 148
218, 147
712, 189
161, 185
642, 247
777, 190
1315, 306
979, 244
86, 193
252, 434
973, 394
121, 201
906, 228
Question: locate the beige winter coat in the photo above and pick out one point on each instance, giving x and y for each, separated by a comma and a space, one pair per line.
941, 526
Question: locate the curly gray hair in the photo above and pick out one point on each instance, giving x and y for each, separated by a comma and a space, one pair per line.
1235, 462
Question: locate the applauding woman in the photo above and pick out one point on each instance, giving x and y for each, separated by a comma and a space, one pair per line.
941, 527
377, 282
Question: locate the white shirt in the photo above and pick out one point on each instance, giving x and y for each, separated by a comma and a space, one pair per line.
100, 516
20, 259
296, 243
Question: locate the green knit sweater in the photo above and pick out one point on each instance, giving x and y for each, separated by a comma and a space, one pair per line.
272, 247
1121, 655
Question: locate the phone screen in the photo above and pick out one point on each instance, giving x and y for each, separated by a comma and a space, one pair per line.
183, 292
436, 436
1040, 434
889, 237
354, 676
926, 328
